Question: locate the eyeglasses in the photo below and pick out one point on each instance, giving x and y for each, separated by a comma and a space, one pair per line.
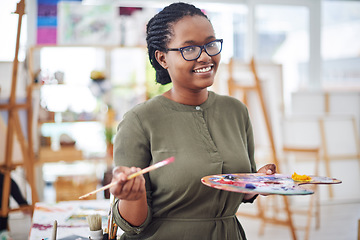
191, 53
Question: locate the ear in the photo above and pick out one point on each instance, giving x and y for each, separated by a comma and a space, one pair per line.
161, 58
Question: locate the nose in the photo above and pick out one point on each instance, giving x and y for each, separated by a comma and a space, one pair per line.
204, 57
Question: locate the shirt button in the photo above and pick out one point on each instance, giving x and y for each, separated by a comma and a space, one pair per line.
198, 108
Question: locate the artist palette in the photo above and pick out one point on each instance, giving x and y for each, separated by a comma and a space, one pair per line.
264, 184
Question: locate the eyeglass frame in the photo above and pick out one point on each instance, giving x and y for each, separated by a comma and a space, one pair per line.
201, 49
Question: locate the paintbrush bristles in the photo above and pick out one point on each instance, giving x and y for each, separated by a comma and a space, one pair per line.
94, 222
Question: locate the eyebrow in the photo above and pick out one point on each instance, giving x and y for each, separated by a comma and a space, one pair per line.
193, 42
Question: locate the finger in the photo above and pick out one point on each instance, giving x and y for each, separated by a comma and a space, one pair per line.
125, 170
139, 182
119, 177
127, 188
133, 170
271, 168
117, 188
135, 181
118, 170
137, 187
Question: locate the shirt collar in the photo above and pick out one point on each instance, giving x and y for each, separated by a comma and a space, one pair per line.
187, 108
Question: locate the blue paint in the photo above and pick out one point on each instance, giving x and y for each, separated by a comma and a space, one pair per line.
250, 186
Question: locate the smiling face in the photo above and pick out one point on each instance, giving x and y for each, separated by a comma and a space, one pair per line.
196, 75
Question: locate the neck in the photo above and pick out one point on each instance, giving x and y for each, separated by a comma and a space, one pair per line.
192, 98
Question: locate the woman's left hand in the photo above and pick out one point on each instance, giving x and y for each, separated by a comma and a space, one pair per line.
268, 169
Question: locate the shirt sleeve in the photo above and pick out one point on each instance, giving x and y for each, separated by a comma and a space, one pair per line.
127, 227
131, 148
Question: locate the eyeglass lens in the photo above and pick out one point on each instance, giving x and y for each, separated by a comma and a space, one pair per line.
193, 52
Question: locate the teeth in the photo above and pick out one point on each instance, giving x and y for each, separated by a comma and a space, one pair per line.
203, 70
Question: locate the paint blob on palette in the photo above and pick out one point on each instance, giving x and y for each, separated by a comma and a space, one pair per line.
264, 184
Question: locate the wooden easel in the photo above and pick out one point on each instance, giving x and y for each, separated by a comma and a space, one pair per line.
14, 128
233, 87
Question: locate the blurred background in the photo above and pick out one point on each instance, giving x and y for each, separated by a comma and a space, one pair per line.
85, 63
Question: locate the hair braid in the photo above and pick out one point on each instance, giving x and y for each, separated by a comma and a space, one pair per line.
159, 33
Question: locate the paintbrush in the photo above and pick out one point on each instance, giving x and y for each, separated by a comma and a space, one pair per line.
53, 237
114, 231
145, 170
110, 217
94, 221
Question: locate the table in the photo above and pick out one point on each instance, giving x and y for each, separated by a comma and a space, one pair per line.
70, 217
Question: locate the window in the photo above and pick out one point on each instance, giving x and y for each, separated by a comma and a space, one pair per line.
340, 43
230, 23
282, 36
8, 30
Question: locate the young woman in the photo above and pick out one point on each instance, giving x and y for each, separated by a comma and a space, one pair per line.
205, 132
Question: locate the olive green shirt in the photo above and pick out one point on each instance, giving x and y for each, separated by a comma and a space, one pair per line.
213, 138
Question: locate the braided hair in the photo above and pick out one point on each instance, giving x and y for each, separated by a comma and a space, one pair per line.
159, 33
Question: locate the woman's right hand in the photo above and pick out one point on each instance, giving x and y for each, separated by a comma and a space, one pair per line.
130, 190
